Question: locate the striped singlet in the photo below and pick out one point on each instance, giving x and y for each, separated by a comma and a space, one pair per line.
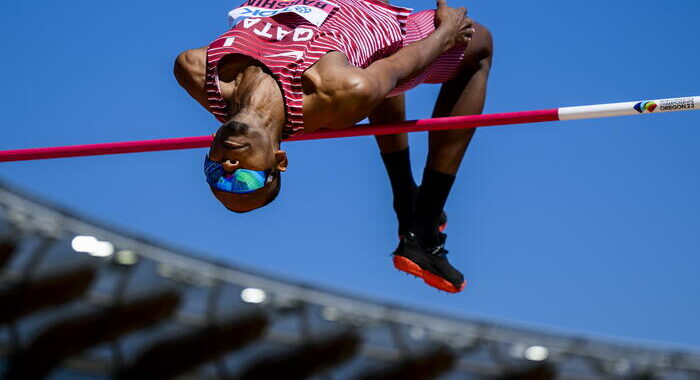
288, 43
289, 36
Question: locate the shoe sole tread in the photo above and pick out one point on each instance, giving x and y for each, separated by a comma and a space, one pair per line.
406, 265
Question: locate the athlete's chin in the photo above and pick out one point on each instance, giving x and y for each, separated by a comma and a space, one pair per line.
233, 129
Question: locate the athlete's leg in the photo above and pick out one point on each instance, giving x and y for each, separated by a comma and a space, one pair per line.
390, 110
421, 250
462, 95
396, 158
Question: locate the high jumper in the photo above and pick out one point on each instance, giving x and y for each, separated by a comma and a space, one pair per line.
286, 68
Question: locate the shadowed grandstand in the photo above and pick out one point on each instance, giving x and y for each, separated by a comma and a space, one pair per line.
79, 300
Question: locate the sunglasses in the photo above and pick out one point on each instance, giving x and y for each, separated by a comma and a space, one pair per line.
241, 181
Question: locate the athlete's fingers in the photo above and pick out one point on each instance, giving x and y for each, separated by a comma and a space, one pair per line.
468, 30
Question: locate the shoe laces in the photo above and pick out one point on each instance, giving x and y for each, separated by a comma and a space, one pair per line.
437, 251
440, 250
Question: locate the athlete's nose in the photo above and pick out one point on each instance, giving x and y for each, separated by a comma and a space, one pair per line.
230, 165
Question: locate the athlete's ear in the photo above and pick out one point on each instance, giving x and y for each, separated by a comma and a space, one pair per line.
281, 160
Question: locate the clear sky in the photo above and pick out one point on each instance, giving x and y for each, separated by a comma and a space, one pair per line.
587, 227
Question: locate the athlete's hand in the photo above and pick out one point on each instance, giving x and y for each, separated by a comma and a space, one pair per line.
456, 27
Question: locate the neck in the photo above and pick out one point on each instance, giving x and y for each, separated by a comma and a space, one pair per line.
257, 100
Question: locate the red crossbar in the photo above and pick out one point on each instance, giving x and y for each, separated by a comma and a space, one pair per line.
455, 122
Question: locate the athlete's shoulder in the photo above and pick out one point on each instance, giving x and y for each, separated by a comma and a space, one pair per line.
337, 94
333, 73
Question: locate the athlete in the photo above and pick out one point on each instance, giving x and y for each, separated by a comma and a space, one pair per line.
292, 67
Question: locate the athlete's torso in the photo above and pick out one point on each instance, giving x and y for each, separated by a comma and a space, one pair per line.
290, 37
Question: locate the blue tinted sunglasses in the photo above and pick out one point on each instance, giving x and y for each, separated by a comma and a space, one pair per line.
241, 181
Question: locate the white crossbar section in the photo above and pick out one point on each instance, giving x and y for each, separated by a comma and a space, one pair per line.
630, 108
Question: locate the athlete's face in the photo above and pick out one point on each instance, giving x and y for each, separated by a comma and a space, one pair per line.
238, 146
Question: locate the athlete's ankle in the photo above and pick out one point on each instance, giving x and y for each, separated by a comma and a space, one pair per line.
432, 196
403, 187
405, 210
427, 235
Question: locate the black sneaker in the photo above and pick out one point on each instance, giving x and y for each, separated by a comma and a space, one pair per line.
429, 264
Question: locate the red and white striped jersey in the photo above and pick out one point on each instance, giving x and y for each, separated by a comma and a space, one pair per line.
288, 36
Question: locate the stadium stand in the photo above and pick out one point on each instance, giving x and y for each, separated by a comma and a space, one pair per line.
79, 300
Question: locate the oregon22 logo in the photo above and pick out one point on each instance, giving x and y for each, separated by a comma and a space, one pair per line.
642, 107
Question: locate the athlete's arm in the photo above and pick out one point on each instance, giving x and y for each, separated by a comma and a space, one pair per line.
190, 71
454, 29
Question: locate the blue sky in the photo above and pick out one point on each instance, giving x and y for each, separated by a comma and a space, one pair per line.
587, 227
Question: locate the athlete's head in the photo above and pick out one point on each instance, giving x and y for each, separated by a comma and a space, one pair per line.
244, 166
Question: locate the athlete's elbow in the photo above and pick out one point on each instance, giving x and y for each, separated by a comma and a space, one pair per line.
182, 62
187, 65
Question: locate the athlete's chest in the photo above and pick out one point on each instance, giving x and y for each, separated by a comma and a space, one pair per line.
313, 80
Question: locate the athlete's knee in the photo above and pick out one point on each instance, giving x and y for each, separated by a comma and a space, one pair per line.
482, 43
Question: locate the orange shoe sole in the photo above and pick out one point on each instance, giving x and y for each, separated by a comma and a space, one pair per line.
405, 265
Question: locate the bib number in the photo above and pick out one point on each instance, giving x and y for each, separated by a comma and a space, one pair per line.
314, 11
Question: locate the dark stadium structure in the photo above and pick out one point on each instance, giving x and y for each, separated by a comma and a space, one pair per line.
79, 300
